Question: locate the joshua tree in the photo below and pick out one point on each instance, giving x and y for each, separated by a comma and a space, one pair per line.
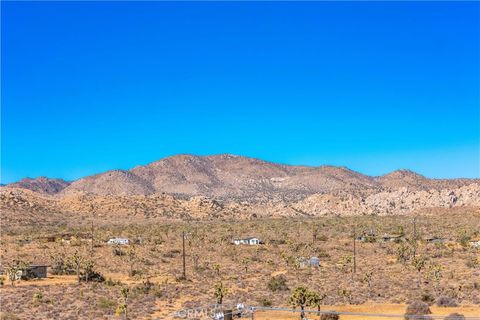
123, 307
346, 294
131, 258
77, 260
315, 299
216, 267
300, 298
195, 258
13, 270
367, 278
436, 275
220, 292
419, 263
246, 262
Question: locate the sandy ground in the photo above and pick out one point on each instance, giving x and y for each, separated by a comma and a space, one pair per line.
397, 309
165, 309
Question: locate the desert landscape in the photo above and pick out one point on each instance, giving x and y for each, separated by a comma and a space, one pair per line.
381, 242
221, 160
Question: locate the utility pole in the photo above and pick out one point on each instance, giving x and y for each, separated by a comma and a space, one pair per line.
354, 251
92, 230
414, 236
183, 245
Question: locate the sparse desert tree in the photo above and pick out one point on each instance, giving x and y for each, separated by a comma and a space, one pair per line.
220, 291
246, 262
419, 263
123, 307
195, 259
299, 298
315, 299
346, 294
77, 261
131, 256
367, 279
216, 267
436, 275
14, 269
403, 253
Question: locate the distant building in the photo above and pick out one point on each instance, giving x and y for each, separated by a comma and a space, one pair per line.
249, 241
33, 271
434, 239
121, 241
368, 236
475, 244
393, 238
312, 262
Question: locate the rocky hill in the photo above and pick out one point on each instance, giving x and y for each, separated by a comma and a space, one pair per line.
228, 177
231, 187
42, 185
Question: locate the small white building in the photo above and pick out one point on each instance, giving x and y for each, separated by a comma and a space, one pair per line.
313, 262
475, 244
121, 241
252, 241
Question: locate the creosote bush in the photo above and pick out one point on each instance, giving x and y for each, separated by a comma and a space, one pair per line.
330, 316
455, 316
445, 301
416, 309
278, 283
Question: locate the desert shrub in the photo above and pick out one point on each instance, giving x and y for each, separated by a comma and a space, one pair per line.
2, 280
265, 302
116, 251
322, 238
93, 276
111, 283
472, 262
427, 297
416, 309
172, 253
8, 316
455, 316
278, 283
445, 301
145, 287
330, 316
105, 303
61, 267
37, 297
320, 253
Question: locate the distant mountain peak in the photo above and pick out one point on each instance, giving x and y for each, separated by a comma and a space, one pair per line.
41, 184
228, 176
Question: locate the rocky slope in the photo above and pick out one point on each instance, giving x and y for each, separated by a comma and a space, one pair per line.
230, 177
42, 185
232, 187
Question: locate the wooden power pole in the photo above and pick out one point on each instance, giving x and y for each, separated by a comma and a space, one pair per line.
354, 251
414, 236
183, 255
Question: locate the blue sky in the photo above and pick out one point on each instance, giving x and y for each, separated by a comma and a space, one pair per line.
92, 86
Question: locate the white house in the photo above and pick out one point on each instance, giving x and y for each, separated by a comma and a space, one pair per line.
250, 241
475, 244
312, 262
122, 241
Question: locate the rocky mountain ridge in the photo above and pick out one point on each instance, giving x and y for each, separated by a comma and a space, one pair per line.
228, 177
229, 187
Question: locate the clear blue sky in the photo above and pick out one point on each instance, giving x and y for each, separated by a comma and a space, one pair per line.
91, 86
